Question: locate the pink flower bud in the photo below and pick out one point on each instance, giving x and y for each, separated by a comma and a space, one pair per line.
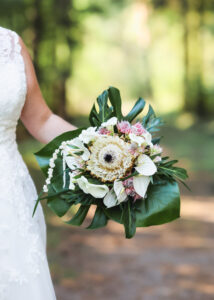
138, 129
104, 130
124, 127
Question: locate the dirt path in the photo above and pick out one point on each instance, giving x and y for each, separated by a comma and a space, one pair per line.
173, 261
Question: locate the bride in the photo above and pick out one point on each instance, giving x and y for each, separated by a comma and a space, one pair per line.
24, 271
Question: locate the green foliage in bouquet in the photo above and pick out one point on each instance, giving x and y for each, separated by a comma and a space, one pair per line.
162, 201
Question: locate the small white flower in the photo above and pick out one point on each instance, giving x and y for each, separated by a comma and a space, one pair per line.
72, 162
148, 138
119, 191
96, 190
88, 135
54, 156
111, 122
157, 159
110, 199
116, 195
71, 156
48, 181
155, 149
45, 188
145, 166
145, 139
139, 140
72, 181
50, 171
52, 165
141, 184
78, 147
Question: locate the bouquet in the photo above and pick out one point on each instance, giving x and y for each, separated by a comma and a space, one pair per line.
116, 165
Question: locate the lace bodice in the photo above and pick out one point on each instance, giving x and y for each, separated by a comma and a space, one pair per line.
12, 85
22, 238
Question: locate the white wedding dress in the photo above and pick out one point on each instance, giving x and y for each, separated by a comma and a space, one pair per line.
24, 271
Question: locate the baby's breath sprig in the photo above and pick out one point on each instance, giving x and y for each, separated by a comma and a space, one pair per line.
52, 165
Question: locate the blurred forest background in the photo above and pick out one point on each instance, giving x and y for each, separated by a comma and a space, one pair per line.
162, 50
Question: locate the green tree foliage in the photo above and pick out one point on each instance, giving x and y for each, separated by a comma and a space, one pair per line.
54, 31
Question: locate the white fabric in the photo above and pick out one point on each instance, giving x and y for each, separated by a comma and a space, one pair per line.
24, 271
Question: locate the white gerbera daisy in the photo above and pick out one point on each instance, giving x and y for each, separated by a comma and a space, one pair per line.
110, 158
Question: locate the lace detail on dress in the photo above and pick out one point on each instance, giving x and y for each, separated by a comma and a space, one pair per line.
5, 46
23, 238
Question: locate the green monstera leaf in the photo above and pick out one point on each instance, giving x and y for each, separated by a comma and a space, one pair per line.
162, 205
110, 105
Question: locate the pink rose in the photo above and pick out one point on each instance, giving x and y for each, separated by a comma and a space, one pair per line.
124, 127
138, 129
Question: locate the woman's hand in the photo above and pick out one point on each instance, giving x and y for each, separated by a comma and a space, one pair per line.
36, 116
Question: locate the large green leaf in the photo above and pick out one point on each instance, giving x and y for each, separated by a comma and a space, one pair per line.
129, 220
93, 117
99, 220
148, 117
136, 110
43, 156
96, 118
115, 99
59, 206
151, 122
115, 214
79, 217
162, 205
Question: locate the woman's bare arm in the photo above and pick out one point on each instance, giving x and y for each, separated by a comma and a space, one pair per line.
36, 116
